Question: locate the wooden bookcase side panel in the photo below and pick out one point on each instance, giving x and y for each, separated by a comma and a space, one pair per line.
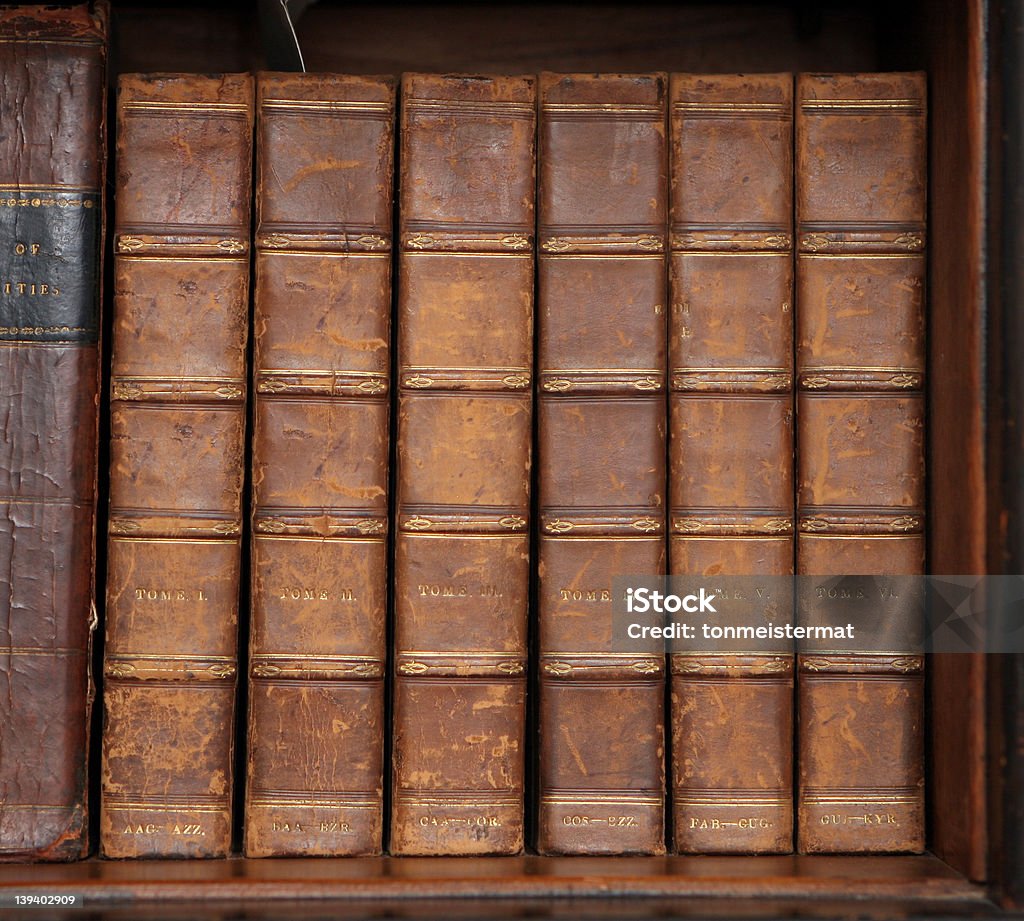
955, 42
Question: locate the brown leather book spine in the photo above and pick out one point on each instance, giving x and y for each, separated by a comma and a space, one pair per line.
178, 386
860, 168
602, 280
52, 105
324, 160
731, 449
465, 360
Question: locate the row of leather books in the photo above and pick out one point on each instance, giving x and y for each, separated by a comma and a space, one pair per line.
647, 225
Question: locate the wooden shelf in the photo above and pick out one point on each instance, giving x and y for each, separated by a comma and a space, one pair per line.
918, 882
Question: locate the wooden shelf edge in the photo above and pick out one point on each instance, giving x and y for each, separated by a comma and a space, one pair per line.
924, 879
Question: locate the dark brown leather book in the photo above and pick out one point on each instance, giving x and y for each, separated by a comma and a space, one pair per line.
860, 206
181, 279
731, 450
465, 359
52, 140
324, 160
602, 278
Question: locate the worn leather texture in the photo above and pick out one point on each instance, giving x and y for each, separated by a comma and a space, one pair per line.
731, 448
860, 206
602, 280
178, 386
52, 69
325, 161
465, 361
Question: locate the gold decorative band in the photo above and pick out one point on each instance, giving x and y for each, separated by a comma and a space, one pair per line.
861, 523
606, 243
705, 105
734, 665
909, 239
501, 664
468, 107
862, 106
730, 240
158, 107
321, 383
737, 522
696, 796
600, 107
459, 241
603, 380
862, 664
37, 331
465, 379
184, 808
19, 187
459, 537
54, 40
557, 112
328, 107
306, 800
179, 245
55, 807
141, 389
52, 198
608, 666
168, 668
315, 668
692, 108
319, 522
473, 800
596, 798
616, 523
323, 243
857, 379
40, 651
732, 380
475, 521
172, 523
881, 793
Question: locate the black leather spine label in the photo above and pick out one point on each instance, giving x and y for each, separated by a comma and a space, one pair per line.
49, 265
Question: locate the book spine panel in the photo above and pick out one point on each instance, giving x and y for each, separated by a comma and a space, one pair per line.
465, 364
860, 154
178, 389
601, 429
731, 448
52, 66
320, 465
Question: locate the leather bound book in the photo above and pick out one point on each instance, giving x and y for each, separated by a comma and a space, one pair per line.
465, 350
731, 449
178, 385
602, 278
52, 105
324, 160
860, 168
